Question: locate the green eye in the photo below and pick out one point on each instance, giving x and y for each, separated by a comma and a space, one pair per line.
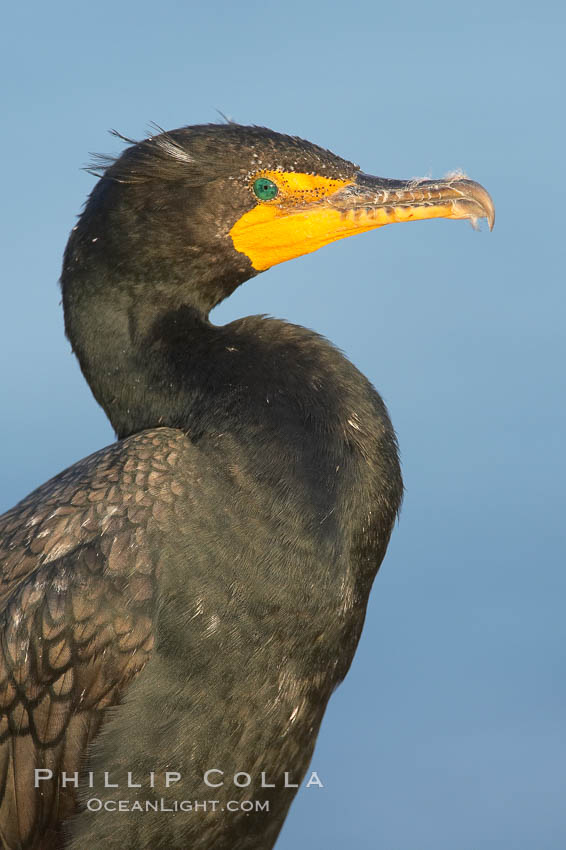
265, 189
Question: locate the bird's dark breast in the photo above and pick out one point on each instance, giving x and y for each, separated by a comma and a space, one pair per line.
261, 601
248, 549
304, 440
290, 488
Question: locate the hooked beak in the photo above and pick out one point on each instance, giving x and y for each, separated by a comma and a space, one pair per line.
289, 225
376, 201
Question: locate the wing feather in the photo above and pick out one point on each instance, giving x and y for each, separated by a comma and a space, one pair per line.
77, 588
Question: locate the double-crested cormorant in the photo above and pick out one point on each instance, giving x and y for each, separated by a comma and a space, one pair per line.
187, 599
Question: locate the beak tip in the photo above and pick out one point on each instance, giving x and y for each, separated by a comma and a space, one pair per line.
490, 214
483, 200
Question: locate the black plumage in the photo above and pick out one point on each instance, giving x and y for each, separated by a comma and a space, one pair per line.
188, 598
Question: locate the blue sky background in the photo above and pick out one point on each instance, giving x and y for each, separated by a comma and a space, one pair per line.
448, 732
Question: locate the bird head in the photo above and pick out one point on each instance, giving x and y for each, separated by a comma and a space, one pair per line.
201, 209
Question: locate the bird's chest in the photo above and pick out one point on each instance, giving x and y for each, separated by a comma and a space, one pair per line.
259, 573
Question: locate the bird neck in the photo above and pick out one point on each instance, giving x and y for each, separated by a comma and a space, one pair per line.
146, 355
152, 358
138, 282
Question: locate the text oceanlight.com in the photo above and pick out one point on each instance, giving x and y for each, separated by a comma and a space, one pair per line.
94, 804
